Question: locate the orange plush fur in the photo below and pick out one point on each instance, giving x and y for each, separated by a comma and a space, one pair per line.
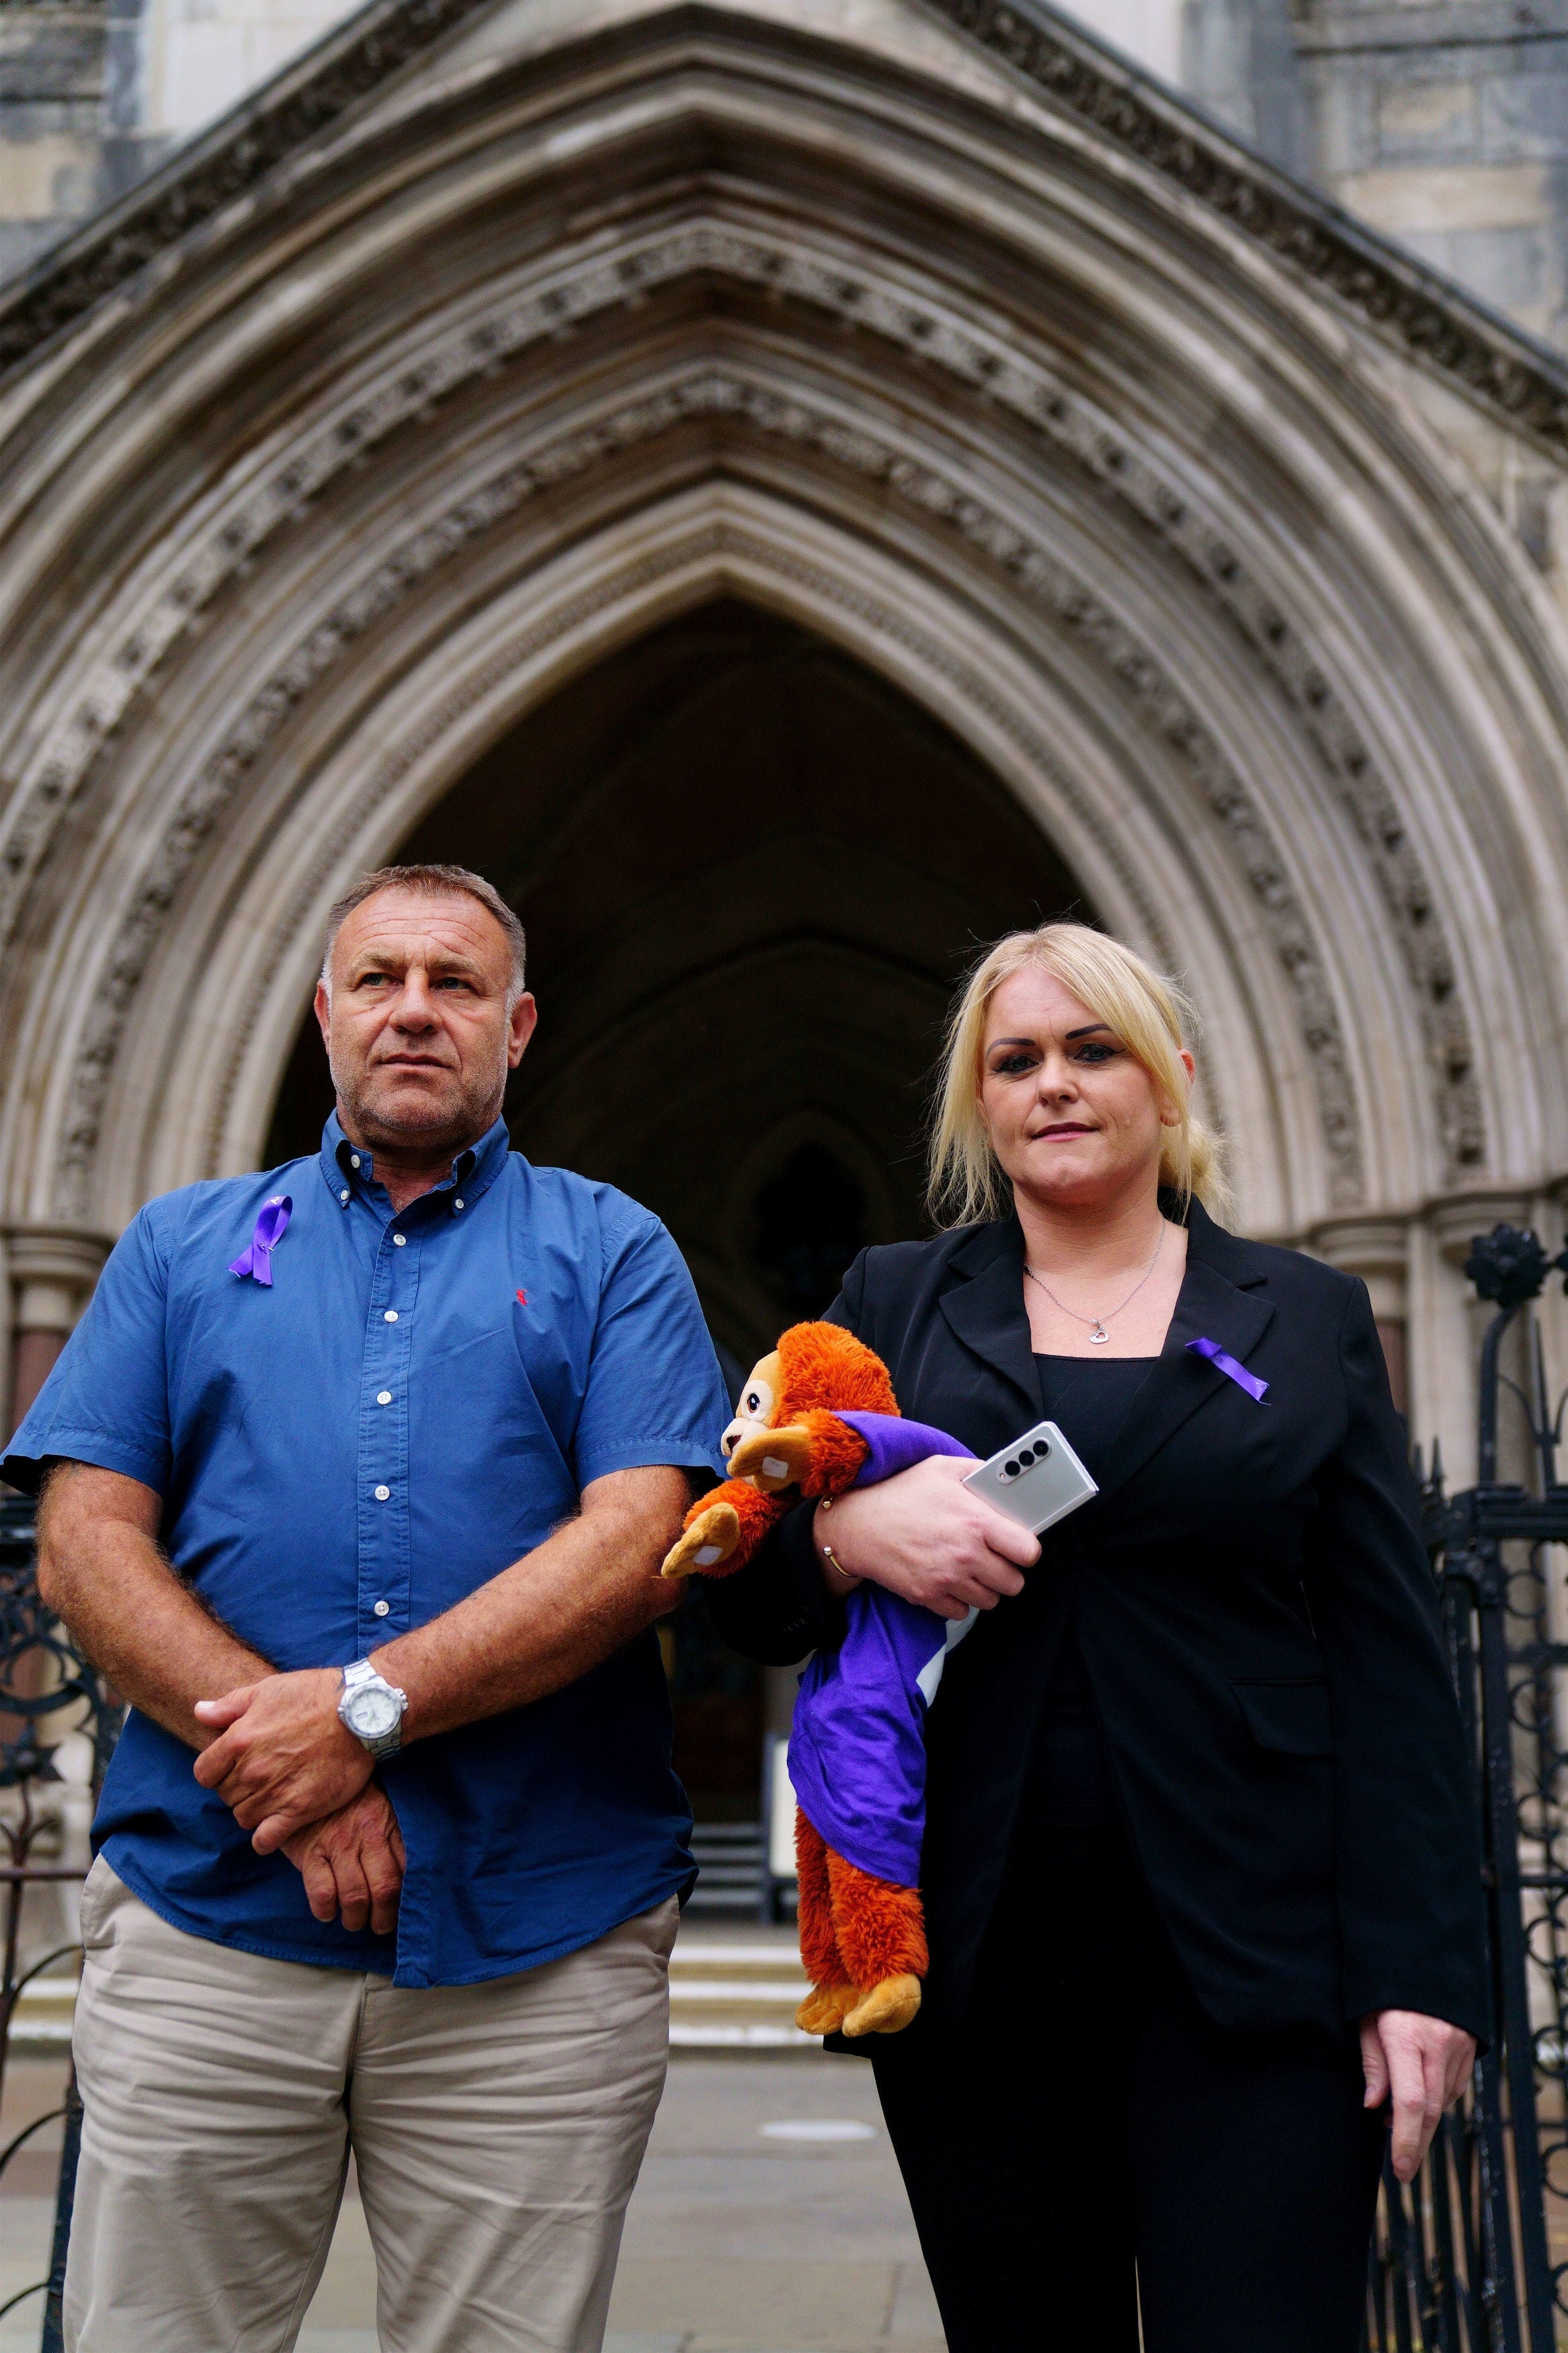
862, 1939
826, 1366
817, 1371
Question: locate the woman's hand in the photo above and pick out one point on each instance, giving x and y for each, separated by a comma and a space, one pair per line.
1420, 2065
924, 1535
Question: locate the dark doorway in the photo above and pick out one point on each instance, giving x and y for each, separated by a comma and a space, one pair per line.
750, 872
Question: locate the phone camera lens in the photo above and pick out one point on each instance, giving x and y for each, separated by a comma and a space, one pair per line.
1026, 1456
1009, 1469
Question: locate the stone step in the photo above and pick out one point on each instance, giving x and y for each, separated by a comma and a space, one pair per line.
731, 1860
723, 1995
41, 2021
734, 1996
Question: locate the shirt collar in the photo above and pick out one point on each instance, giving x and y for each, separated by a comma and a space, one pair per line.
348, 1167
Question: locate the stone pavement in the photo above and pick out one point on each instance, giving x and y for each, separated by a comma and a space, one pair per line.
739, 2238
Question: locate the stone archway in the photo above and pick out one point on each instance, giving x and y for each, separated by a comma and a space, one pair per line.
750, 872
503, 337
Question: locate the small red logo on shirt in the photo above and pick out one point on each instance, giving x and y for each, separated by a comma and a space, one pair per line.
523, 1299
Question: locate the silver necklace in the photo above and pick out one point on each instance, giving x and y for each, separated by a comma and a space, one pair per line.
1100, 1335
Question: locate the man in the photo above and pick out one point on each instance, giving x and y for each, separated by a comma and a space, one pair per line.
357, 1479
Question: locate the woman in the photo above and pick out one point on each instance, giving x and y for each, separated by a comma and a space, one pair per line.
1200, 1874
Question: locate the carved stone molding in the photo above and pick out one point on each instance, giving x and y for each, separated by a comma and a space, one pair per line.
1423, 315
914, 320
709, 542
1073, 606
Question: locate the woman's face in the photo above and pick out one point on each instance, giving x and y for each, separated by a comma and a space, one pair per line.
1074, 1118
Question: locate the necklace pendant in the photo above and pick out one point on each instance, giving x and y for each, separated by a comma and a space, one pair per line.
1098, 1336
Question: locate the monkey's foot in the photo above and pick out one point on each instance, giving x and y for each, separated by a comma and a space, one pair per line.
885, 2008
711, 1538
826, 2007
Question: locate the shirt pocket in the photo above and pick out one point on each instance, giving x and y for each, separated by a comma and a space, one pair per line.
1292, 1719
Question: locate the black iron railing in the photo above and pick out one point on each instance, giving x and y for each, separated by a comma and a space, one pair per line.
1471, 2258
51, 1700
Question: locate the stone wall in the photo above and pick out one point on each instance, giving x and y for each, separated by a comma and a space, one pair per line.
1448, 128
55, 119
1441, 122
94, 93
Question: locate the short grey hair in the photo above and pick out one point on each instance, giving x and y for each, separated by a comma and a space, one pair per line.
434, 883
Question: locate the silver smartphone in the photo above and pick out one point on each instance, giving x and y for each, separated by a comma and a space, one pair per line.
1038, 1480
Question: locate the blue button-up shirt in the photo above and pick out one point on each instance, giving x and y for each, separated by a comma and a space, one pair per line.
415, 1402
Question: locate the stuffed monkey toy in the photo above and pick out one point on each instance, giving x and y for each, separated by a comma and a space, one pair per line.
816, 1417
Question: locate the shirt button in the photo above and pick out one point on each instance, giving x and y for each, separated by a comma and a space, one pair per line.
390, 1316
401, 1239
382, 1608
353, 1159
344, 1194
456, 1205
381, 1493
384, 1397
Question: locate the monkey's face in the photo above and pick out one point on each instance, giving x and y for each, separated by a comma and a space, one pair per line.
759, 1392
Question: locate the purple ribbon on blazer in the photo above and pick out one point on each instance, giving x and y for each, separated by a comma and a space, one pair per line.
1222, 1362
271, 1226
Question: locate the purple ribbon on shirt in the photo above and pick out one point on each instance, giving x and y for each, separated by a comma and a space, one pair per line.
1225, 1363
270, 1226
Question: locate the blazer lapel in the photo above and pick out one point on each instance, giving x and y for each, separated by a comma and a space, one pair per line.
987, 1314
1209, 1307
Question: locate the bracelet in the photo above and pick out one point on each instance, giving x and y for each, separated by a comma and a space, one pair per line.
824, 1503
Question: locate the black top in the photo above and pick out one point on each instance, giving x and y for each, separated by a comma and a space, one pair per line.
1088, 1398
1258, 1624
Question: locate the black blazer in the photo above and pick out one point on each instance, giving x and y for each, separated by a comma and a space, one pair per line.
1258, 1622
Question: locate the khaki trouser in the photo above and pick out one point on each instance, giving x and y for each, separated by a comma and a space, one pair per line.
497, 2131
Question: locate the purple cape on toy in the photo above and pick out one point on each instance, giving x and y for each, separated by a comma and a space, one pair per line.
856, 1751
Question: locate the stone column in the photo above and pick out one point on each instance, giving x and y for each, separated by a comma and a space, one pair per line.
1454, 1225
1378, 1249
53, 1269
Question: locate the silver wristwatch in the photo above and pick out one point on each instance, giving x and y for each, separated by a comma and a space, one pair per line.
373, 1709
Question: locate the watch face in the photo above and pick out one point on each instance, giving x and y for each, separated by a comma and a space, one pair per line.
373, 1714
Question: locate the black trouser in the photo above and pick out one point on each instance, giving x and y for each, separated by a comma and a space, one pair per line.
1088, 2126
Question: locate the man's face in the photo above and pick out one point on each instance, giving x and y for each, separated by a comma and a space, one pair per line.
416, 1026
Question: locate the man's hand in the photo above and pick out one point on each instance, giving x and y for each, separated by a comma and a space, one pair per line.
1419, 2065
924, 1535
352, 1863
283, 1759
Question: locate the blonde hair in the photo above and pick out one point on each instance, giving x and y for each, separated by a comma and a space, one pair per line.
1150, 1014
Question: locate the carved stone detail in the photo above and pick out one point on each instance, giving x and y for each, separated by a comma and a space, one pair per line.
1404, 303
708, 541
1401, 301
1010, 377
1023, 385
1076, 608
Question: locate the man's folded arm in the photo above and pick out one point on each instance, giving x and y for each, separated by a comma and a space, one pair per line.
282, 1754
101, 1569
553, 1615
